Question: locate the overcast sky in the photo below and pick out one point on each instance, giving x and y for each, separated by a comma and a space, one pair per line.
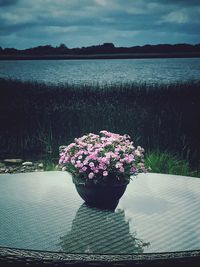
77, 23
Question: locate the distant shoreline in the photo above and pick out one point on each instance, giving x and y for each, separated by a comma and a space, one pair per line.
101, 56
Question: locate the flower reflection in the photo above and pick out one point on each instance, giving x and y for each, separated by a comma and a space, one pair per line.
101, 232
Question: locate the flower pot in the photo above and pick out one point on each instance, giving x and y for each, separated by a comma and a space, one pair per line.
101, 195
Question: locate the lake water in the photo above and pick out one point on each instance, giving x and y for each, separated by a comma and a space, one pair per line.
103, 71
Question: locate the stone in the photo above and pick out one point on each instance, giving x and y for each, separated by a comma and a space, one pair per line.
10, 170
13, 161
2, 165
27, 163
41, 165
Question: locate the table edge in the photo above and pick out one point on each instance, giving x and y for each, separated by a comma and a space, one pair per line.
34, 256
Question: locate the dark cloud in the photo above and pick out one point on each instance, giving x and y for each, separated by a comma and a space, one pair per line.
180, 2
26, 23
8, 2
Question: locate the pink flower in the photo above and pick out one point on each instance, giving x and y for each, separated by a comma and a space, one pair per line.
94, 154
85, 162
121, 169
96, 170
84, 169
104, 132
70, 146
137, 153
60, 160
108, 143
132, 170
90, 175
105, 160
66, 159
105, 173
129, 158
91, 164
79, 164
72, 161
118, 165
102, 166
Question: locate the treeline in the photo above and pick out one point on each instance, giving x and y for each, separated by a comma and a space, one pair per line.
106, 48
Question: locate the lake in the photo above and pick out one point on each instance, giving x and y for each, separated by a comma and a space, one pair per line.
162, 70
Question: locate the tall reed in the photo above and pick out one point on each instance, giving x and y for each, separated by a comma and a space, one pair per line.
36, 118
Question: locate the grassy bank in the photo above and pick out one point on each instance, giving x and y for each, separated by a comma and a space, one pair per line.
35, 119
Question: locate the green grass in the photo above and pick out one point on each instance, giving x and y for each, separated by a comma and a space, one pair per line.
164, 162
36, 118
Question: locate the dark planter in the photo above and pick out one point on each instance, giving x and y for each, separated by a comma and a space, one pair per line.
101, 195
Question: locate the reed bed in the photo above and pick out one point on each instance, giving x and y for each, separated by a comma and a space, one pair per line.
36, 118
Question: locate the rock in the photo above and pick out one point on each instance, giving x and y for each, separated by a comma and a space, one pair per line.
13, 161
18, 166
2, 165
27, 163
41, 165
10, 170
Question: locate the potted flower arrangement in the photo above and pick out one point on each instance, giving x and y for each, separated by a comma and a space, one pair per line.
102, 165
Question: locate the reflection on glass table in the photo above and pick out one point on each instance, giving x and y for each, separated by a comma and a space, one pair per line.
101, 231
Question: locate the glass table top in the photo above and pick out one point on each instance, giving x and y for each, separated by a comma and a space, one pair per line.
43, 211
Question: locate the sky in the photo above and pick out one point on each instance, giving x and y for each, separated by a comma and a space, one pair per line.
78, 23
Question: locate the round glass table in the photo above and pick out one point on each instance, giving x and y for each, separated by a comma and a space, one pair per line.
43, 220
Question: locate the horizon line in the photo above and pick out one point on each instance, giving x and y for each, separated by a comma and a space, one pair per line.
96, 45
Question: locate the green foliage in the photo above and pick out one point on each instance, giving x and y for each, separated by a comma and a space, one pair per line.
50, 163
50, 167
164, 162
